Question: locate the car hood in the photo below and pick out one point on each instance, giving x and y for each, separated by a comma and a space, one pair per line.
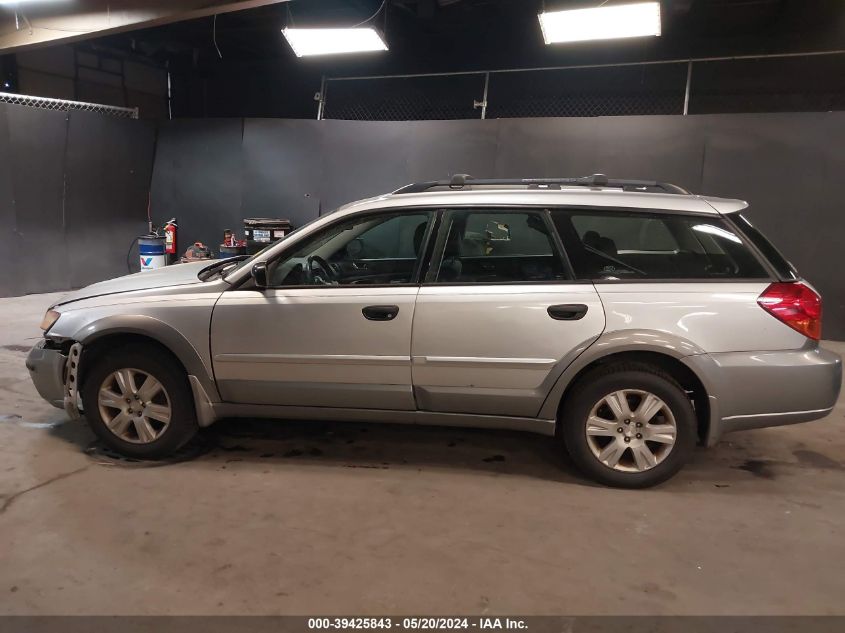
176, 275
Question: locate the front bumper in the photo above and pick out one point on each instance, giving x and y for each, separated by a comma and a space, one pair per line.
47, 369
750, 390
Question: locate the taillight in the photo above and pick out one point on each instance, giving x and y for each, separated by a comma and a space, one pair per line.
796, 305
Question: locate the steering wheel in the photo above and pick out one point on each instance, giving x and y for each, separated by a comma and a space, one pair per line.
318, 270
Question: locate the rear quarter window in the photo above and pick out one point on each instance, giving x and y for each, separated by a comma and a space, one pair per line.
616, 245
782, 267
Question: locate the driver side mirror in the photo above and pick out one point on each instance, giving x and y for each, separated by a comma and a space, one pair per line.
259, 274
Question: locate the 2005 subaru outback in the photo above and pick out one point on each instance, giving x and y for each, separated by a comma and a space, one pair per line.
631, 319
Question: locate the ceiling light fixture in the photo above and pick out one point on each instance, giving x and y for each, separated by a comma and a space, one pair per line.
601, 23
307, 42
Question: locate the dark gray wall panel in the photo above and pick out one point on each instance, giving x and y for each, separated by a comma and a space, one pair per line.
363, 159
31, 183
647, 148
789, 168
212, 173
786, 165
107, 180
197, 178
545, 147
439, 149
9, 253
73, 192
826, 223
651, 148
37, 143
282, 170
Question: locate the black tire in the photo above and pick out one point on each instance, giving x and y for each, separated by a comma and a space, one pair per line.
635, 376
157, 363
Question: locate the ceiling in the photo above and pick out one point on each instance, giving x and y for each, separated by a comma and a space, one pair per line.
239, 64
448, 35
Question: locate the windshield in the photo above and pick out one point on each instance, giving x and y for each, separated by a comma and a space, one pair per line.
249, 260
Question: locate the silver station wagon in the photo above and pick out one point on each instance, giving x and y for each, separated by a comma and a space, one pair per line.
632, 320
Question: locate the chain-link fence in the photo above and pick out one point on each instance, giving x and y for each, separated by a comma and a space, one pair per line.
46, 103
405, 98
772, 83
603, 91
793, 84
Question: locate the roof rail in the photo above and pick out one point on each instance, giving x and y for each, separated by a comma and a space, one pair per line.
459, 181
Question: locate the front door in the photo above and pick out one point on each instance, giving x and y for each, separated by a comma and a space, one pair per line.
499, 317
334, 328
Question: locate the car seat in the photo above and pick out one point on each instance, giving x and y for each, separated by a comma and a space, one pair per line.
600, 243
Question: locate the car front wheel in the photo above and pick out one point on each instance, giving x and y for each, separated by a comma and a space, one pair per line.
629, 426
138, 402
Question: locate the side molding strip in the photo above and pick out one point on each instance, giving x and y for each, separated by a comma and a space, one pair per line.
486, 362
312, 359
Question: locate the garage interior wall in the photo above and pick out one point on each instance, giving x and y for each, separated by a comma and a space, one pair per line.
73, 195
75, 188
211, 174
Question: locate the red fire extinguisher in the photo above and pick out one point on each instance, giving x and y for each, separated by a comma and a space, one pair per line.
170, 237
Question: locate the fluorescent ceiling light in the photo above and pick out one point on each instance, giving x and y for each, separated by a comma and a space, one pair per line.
330, 41
601, 23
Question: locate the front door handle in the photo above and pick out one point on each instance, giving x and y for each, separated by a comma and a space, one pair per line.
380, 313
567, 311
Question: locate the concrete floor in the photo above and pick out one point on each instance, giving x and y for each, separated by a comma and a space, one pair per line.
312, 518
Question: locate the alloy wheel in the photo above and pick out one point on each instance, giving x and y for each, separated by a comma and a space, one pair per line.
134, 405
631, 430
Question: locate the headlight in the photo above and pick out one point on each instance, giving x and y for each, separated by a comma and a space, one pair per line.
49, 319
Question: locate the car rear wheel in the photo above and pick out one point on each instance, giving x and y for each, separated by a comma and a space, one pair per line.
138, 402
629, 426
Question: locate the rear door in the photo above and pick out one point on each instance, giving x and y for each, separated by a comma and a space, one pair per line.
689, 279
499, 317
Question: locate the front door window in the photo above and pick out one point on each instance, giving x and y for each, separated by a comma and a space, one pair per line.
380, 249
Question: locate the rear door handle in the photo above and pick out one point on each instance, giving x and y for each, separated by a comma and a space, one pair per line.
380, 313
567, 311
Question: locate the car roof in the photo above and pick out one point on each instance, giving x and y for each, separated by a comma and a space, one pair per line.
607, 197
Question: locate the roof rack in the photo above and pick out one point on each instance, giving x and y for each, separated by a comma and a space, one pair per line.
459, 181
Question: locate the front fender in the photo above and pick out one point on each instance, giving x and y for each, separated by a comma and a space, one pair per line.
141, 325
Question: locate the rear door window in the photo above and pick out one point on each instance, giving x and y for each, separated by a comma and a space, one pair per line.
617, 245
498, 246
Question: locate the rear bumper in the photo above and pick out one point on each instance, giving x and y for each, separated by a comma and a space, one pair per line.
46, 368
750, 390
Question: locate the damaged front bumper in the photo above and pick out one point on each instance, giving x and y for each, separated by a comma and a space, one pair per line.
55, 375
46, 367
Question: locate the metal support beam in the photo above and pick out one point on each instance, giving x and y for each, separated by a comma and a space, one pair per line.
484, 102
321, 98
169, 93
657, 62
687, 89
50, 23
